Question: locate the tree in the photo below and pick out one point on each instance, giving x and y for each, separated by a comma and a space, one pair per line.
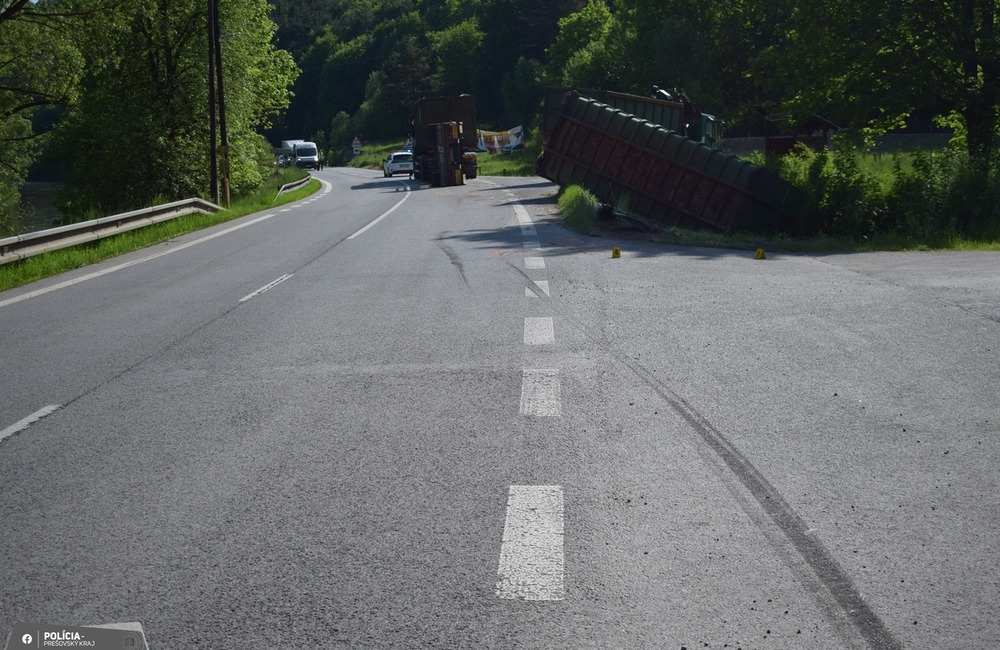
140, 132
522, 92
40, 66
406, 73
456, 52
873, 65
585, 30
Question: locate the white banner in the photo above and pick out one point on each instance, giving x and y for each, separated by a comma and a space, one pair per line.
501, 141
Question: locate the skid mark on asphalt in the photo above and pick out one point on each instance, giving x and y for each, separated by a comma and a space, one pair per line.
542, 386
826, 568
453, 256
537, 289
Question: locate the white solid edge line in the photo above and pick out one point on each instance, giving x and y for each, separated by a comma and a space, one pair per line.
21, 425
267, 286
532, 563
68, 283
384, 214
119, 267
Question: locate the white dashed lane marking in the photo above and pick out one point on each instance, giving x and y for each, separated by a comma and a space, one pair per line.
539, 331
533, 263
540, 392
270, 285
21, 425
532, 564
541, 288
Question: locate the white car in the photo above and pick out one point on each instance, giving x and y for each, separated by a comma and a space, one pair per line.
398, 162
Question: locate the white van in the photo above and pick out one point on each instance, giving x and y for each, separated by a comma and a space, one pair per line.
305, 154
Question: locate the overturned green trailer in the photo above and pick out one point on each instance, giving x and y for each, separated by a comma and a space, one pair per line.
678, 114
663, 177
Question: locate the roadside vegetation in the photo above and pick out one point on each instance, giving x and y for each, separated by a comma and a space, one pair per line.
15, 274
111, 99
919, 200
579, 208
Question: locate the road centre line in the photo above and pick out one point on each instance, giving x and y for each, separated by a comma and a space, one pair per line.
21, 425
540, 392
533, 244
539, 331
384, 214
270, 285
119, 267
532, 561
524, 220
541, 288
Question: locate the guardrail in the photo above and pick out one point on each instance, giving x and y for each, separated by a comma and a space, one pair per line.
36, 243
293, 186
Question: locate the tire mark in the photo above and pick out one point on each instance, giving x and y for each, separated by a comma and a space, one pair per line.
453, 256
826, 568
824, 565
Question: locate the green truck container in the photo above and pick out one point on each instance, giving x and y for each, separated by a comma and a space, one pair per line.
664, 177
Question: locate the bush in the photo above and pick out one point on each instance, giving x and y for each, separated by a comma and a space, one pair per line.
925, 197
579, 209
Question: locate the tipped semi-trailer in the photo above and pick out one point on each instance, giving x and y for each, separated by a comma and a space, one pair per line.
663, 176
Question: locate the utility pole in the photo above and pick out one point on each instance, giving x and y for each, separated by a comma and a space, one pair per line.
213, 167
215, 85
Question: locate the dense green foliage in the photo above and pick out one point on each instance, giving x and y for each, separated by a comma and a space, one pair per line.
927, 198
32, 78
128, 81
141, 127
131, 79
866, 67
369, 60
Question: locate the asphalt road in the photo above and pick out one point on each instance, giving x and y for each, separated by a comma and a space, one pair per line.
399, 417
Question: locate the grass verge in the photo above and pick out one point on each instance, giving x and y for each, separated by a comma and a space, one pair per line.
42, 266
819, 243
